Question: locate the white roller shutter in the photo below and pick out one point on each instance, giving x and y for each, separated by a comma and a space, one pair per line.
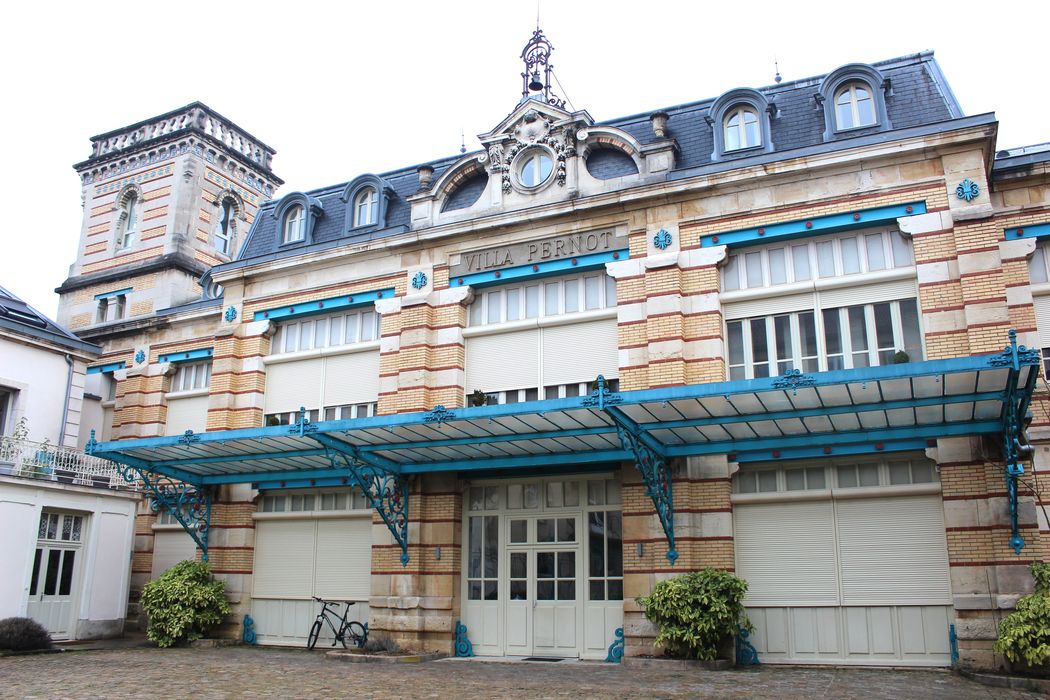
187, 414
1042, 319
290, 385
869, 293
786, 552
503, 361
169, 548
763, 307
579, 352
351, 378
344, 559
284, 558
893, 551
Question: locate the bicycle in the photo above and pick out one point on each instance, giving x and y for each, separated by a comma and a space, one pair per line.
353, 630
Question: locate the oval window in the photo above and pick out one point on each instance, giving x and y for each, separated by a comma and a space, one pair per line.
536, 167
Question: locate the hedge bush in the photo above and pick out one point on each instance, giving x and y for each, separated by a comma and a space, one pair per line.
697, 613
23, 634
183, 604
1024, 634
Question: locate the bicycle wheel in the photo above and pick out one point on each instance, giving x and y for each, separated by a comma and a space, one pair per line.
315, 632
357, 632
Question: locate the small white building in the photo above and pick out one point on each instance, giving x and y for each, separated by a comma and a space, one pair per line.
67, 518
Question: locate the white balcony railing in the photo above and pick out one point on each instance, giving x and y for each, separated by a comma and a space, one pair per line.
37, 460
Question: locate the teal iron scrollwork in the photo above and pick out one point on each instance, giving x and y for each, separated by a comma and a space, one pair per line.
248, 636
386, 491
464, 649
615, 654
746, 654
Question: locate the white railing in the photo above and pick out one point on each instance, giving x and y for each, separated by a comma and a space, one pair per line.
38, 460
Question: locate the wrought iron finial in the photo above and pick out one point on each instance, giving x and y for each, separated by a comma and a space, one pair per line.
536, 80
91, 443
776, 67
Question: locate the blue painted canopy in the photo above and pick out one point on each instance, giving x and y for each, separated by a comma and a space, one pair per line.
889, 408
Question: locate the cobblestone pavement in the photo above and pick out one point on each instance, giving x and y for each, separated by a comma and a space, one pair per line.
236, 672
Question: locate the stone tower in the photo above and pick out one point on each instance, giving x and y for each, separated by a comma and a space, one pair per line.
164, 200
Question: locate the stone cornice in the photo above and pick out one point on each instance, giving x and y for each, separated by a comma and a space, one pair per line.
176, 261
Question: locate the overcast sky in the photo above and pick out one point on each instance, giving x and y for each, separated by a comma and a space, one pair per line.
348, 88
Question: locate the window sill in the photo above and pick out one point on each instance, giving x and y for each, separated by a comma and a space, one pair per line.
1040, 289
541, 322
366, 346
188, 394
109, 403
853, 280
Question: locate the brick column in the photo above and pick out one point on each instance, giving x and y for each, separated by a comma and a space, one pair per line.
238, 378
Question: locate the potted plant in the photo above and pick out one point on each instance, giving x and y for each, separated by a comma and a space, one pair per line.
478, 398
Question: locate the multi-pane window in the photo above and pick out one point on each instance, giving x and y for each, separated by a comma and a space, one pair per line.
819, 258
1039, 265
341, 499
60, 527
897, 471
483, 557
552, 391
128, 224
605, 547
192, 375
742, 129
366, 207
113, 308
554, 297
854, 106
839, 338
343, 412
289, 417
325, 331
294, 225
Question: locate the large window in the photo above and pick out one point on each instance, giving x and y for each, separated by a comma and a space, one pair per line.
824, 339
846, 474
742, 129
366, 207
342, 412
192, 375
222, 234
854, 106
553, 297
325, 331
551, 391
128, 223
111, 308
830, 256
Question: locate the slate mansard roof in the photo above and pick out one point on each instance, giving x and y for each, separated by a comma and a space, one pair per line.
916, 95
22, 319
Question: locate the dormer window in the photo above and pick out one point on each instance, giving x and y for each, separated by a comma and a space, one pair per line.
129, 222
854, 106
536, 168
742, 129
294, 224
366, 207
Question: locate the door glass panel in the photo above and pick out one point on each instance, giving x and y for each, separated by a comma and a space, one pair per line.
490, 591
519, 531
572, 494
519, 576
566, 529
544, 565
554, 494
67, 527
36, 572
615, 589
759, 347
519, 590
545, 530
612, 492
566, 564
476, 498
66, 581
51, 573
491, 546
474, 558
545, 590
514, 494
595, 493
492, 497
596, 544
566, 590
614, 547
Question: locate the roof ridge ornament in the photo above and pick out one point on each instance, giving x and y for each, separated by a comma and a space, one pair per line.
534, 84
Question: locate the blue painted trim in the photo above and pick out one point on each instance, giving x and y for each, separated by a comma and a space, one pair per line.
830, 223
115, 293
542, 269
302, 484
906, 445
320, 306
275, 476
186, 356
1036, 231
105, 369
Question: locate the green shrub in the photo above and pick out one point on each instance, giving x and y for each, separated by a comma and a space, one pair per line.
697, 613
183, 604
23, 634
1024, 634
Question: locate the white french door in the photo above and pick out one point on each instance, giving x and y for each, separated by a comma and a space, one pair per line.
53, 587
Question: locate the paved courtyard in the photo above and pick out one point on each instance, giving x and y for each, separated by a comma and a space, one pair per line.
247, 672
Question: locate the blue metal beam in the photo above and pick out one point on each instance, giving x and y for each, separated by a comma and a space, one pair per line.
541, 269
515, 437
186, 355
276, 476
908, 445
248, 456
523, 462
1031, 231
105, 369
322, 306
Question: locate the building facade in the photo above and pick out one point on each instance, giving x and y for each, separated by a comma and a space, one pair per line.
797, 298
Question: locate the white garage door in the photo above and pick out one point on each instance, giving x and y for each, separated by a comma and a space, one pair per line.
847, 578
170, 546
296, 559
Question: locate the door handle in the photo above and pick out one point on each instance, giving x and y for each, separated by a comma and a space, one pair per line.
534, 603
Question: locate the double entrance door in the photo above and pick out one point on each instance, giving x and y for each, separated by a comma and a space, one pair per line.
543, 614
52, 589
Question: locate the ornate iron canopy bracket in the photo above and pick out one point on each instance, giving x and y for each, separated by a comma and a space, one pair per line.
385, 489
1016, 399
649, 459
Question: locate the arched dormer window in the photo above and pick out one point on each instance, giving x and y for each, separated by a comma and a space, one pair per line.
229, 208
366, 207
367, 200
854, 97
130, 205
293, 229
741, 129
740, 123
297, 216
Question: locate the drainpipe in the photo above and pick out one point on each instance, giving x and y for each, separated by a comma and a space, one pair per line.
65, 405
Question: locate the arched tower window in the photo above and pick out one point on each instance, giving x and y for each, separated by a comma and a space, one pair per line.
222, 234
129, 222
